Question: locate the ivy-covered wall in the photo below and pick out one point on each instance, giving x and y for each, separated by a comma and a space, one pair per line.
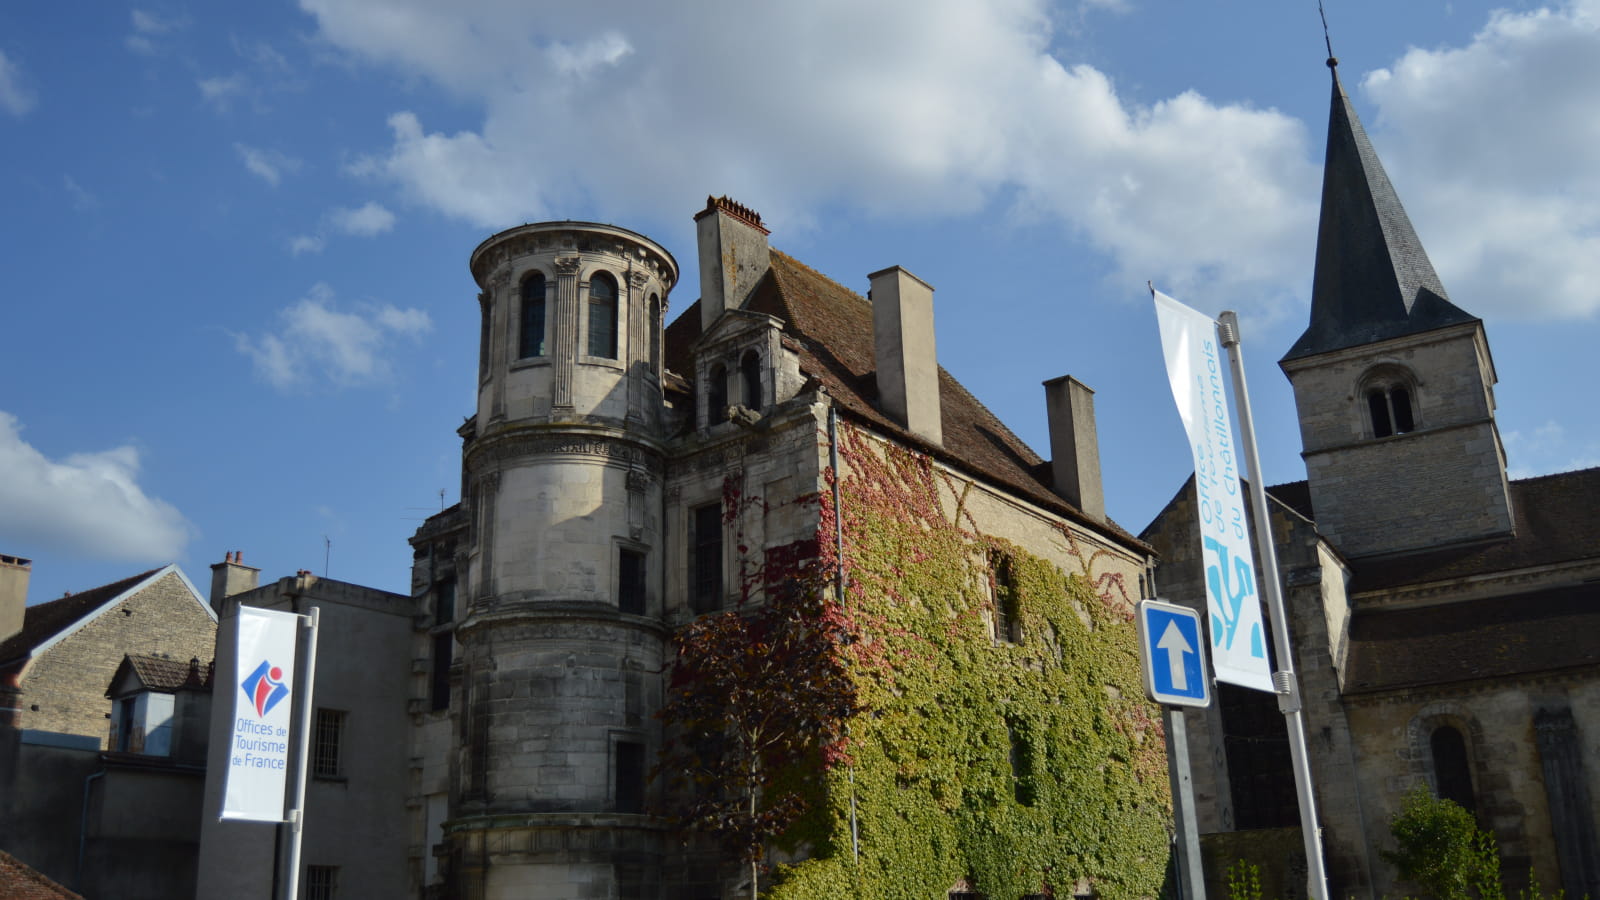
1003, 738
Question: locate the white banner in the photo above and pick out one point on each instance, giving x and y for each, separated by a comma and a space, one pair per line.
1194, 366
258, 747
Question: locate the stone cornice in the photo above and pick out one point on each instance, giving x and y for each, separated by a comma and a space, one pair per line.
493, 451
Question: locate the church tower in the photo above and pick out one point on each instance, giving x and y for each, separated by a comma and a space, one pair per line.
1394, 383
562, 630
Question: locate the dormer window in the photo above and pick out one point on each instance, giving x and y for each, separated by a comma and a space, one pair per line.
1389, 395
750, 380
602, 316
531, 332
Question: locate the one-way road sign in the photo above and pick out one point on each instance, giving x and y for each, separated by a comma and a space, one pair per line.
1173, 651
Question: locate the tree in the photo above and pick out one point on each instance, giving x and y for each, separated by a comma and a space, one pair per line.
756, 693
1442, 850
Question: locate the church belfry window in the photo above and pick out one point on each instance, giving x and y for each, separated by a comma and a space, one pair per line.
750, 380
1388, 396
530, 340
602, 316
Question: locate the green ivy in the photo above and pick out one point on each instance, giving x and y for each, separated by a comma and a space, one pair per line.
1015, 765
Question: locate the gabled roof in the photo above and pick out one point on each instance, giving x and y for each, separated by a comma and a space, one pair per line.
164, 674
1373, 279
46, 623
20, 881
831, 328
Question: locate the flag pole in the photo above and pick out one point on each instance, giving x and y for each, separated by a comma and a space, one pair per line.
307, 677
1288, 687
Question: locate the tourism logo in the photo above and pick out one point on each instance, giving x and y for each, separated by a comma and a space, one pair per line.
265, 687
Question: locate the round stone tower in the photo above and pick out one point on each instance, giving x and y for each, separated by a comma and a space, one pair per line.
562, 641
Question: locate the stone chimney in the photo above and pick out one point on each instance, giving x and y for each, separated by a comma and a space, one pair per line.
902, 344
14, 574
231, 576
733, 256
1074, 445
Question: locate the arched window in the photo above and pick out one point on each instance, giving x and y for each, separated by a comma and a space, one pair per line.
602, 316
717, 395
750, 379
1388, 395
531, 334
655, 334
1452, 772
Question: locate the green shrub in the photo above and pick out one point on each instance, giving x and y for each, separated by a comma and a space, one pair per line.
1442, 851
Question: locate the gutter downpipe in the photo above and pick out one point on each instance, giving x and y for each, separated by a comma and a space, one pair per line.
83, 831
838, 580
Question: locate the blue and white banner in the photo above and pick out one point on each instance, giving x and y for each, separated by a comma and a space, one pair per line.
1194, 366
258, 745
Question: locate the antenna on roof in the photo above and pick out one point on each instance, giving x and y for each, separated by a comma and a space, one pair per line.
1333, 61
327, 551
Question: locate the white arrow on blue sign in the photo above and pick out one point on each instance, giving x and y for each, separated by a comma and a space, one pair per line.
1172, 648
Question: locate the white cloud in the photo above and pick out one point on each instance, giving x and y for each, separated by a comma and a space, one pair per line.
147, 29
1491, 147
221, 91
82, 199
1548, 448
908, 108
319, 343
86, 503
306, 243
364, 221
270, 165
15, 97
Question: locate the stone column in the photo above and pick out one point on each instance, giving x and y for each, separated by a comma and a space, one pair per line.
488, 490
564, 346
500, 301
635, 352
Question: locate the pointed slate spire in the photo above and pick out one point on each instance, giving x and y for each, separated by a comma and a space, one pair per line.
1373, 279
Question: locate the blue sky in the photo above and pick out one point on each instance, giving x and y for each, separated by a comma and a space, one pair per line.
237, 313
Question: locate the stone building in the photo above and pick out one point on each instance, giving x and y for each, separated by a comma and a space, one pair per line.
85, 796
1443, 613
596, 476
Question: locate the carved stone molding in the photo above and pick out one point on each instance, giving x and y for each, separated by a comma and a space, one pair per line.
568, 265
638, 481
639, 279
489, 456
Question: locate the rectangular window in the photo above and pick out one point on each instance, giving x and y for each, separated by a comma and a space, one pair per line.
630, 581
322, 882
630, 777
444, 646
444, 602
326, 737
705, 558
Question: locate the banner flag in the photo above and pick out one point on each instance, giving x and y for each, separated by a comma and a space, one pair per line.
258, 745
1238, 642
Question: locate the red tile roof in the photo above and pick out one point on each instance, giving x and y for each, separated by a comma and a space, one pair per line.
19, 881
831, 326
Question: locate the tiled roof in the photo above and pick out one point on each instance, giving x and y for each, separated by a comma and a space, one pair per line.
19, 881
1476, 639
164, 674
1557, 520
1294, 494
832, 328
44, 621
1373, 279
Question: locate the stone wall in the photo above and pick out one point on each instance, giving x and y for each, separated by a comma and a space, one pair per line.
64, 688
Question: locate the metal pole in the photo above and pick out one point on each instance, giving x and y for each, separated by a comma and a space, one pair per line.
307, 679
1284, 680
1191, 877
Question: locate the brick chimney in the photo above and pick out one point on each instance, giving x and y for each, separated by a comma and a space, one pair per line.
1074, 445
733, 256
14, 574
231, 576
902, 343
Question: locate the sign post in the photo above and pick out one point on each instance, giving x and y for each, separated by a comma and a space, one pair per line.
1175, 676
